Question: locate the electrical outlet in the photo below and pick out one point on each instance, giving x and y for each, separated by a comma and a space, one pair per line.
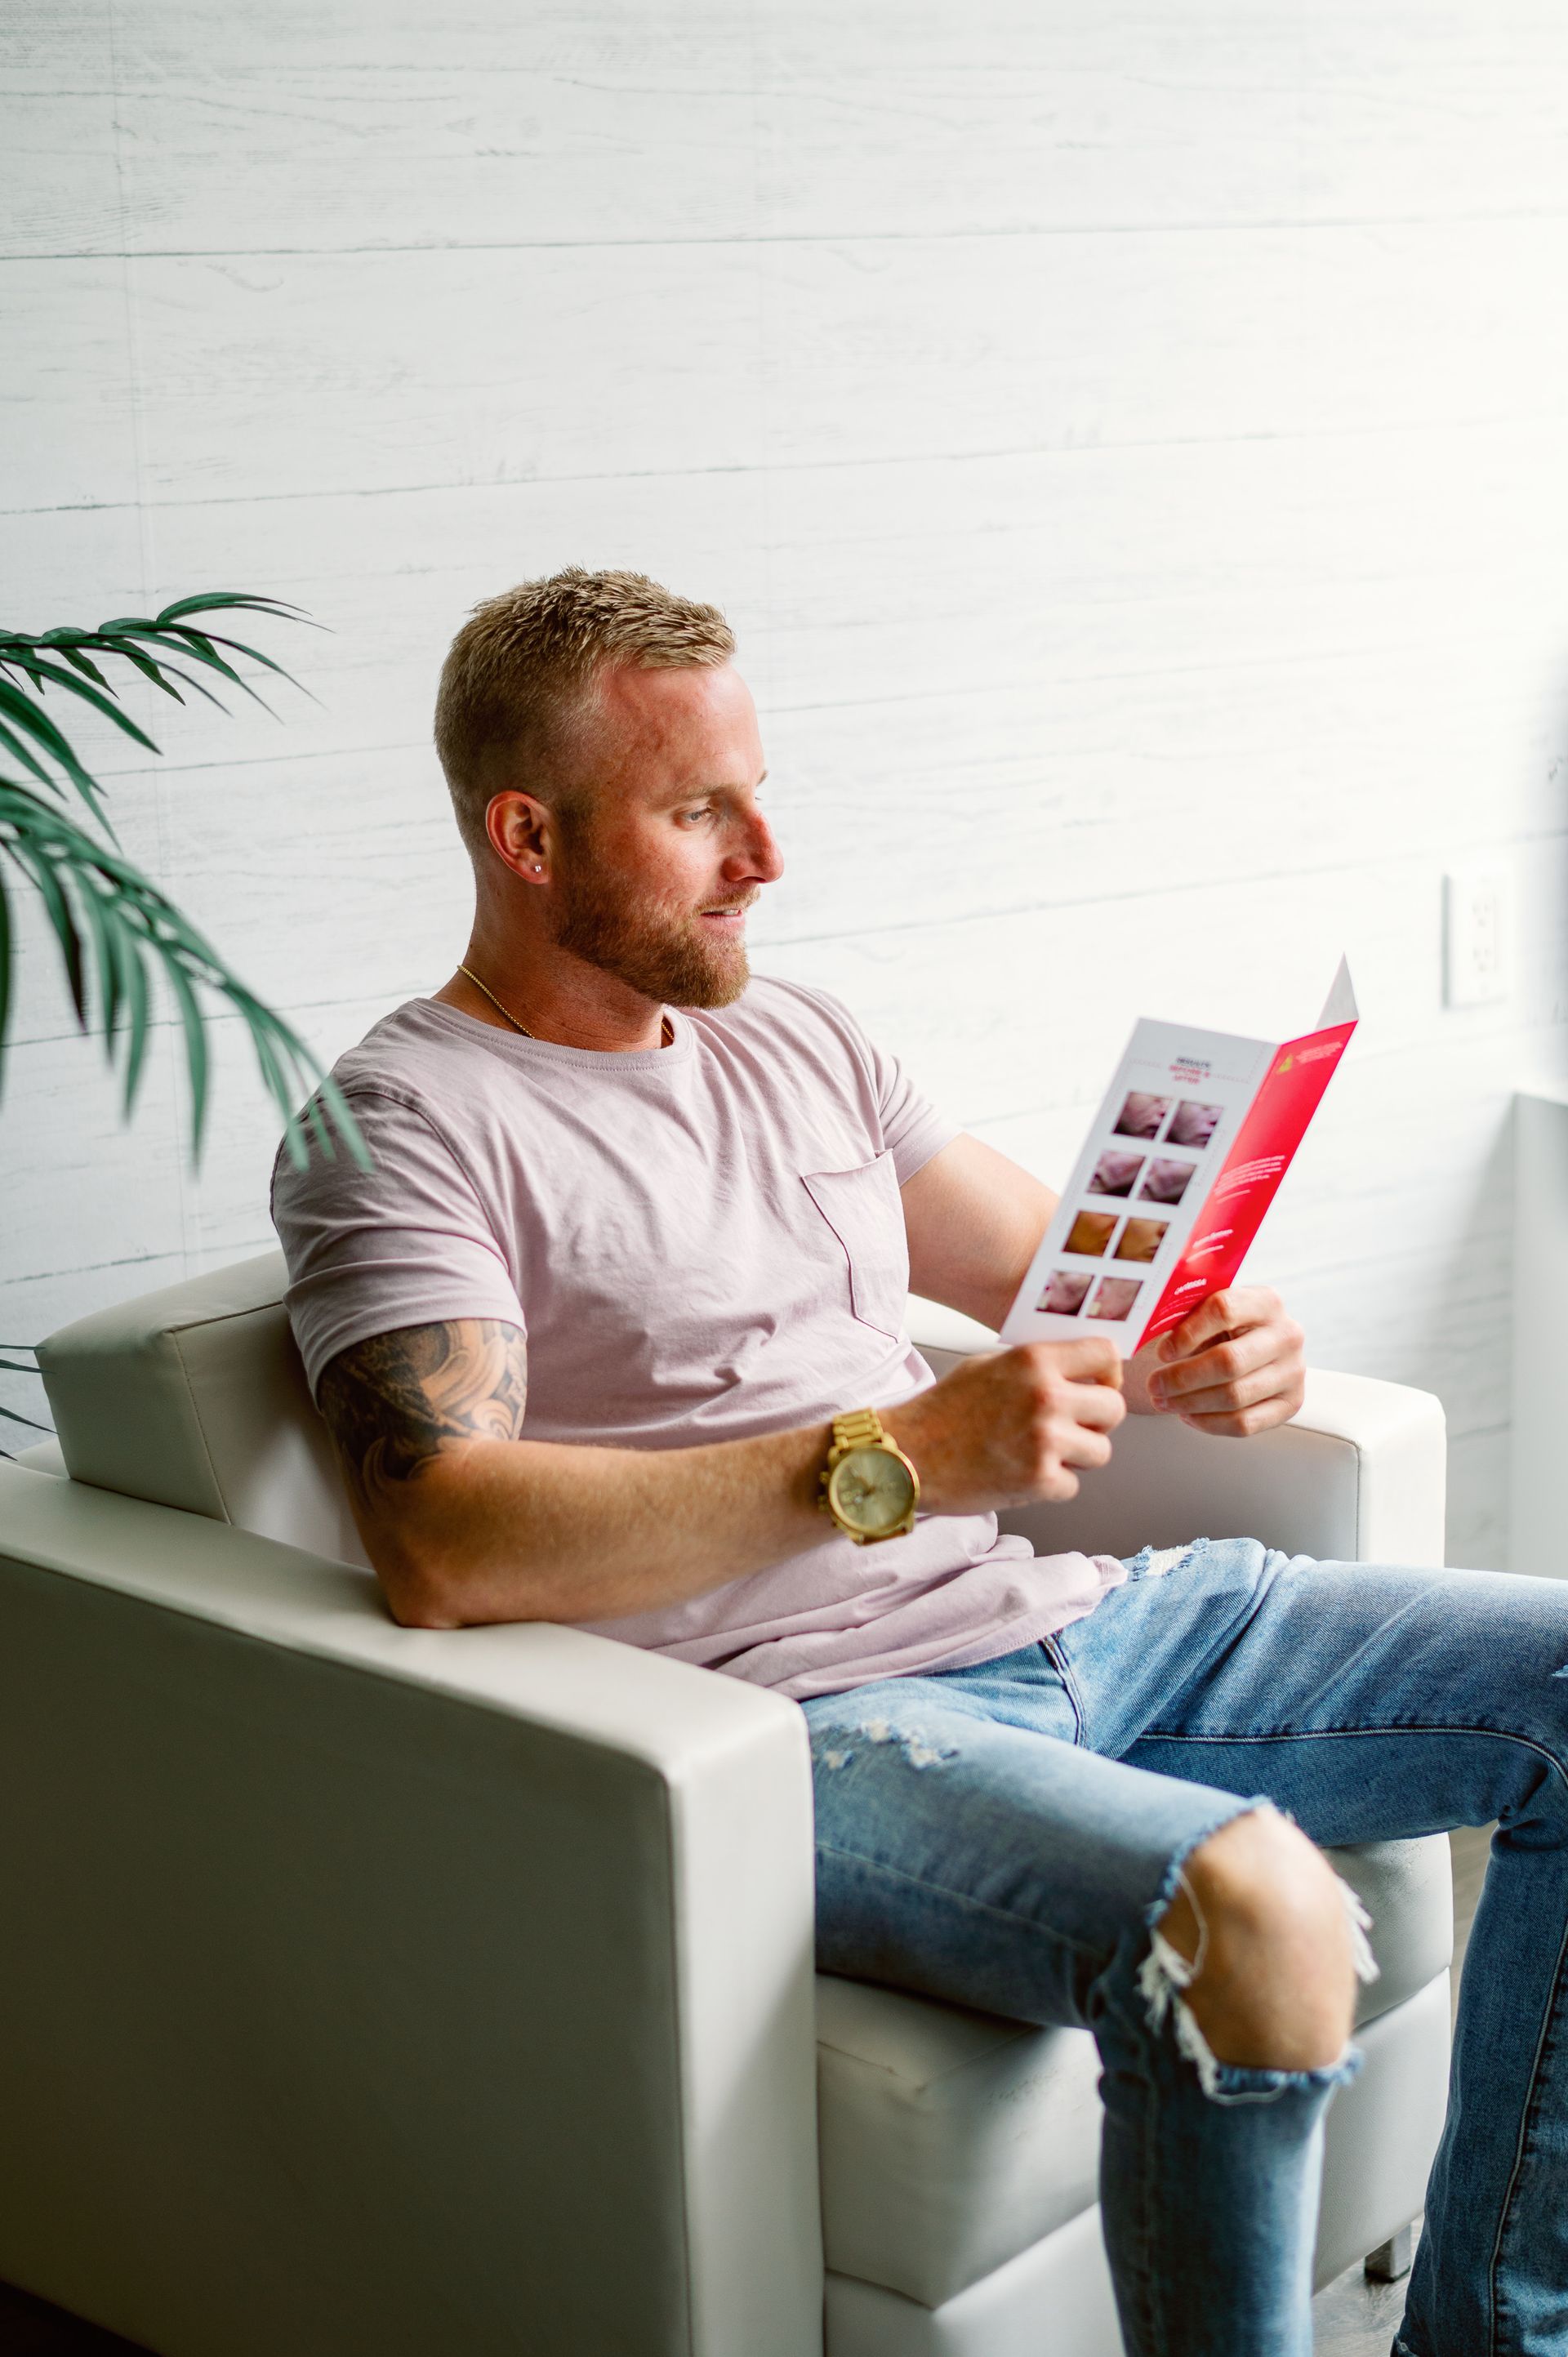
1478, 947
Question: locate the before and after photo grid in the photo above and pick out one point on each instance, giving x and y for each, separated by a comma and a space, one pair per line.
1146, 1182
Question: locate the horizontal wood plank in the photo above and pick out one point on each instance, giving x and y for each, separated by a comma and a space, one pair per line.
553, 125
1129, 447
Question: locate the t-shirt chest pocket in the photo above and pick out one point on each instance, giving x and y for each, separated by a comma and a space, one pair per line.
865, 1211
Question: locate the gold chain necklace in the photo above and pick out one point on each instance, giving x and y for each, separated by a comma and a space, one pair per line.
666, 1034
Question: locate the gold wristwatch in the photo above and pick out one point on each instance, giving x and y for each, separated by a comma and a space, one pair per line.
869, 1486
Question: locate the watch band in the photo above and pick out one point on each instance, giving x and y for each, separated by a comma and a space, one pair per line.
861, 1428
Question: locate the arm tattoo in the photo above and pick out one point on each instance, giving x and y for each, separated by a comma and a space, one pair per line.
395, 1401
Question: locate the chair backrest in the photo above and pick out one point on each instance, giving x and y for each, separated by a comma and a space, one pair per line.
195, 1396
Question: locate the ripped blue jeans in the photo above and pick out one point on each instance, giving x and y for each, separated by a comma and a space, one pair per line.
1007, 1836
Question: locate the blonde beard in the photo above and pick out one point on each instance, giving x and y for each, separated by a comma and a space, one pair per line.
665, 959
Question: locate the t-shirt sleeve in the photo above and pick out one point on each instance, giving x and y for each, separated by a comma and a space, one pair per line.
913, 1130
404, 1244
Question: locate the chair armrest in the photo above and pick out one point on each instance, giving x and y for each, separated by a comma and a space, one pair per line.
441, 1989
1356, 1477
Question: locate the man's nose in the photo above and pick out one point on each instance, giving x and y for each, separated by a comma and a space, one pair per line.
762, 858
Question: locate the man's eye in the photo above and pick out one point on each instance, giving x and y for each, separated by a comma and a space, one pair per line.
688, 817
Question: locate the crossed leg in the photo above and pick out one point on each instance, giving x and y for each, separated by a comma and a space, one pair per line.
1026, 1835
1001, 1867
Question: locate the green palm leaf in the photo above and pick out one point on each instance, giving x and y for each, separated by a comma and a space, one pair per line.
29, 721
15, 1367
115, 930
32, 1422
111, 918
70, 659
44, 674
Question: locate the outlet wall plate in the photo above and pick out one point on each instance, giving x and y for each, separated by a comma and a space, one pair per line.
1477, 935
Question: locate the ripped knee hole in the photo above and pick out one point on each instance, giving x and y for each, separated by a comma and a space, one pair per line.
1166, 1975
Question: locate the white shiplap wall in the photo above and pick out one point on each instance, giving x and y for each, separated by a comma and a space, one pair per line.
1132, 444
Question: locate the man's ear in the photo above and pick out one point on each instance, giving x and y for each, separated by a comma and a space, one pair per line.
520, 834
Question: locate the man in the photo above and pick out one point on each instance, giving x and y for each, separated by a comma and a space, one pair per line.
618, 1317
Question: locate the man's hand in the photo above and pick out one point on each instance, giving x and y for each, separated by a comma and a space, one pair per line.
1013, 1427
1235, 1366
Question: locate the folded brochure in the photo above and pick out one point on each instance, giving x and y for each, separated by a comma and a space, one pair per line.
1186, 1155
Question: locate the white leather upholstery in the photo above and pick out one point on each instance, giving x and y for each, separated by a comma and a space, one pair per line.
1383, 2129
370, 1993
1357, 1476
44, 1457
1053, 2297
951, 2141
195, 1396
452, 1990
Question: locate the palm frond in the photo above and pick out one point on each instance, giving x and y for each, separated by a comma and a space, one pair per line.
16, 1367
12, 1417
24, 719
115, 927
161, 648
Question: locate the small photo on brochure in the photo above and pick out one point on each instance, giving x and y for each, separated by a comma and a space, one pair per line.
1141, 1239
1064, 1291
1194, 1124
1115, 1173
1165, 1182
1115, 1296
1142, 1114
1090, 1232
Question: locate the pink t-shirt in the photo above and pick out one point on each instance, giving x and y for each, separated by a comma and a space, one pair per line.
701, 1243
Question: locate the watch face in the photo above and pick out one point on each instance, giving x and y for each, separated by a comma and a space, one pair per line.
872, 1490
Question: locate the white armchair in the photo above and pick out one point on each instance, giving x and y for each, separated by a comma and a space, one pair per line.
378, 1993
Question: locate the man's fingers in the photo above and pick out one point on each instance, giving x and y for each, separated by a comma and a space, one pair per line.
1085, 1448
1093, 1405
1238, 1424
1227, 1362
1222, 1313
1012, 1424
1095, 1360
1223, 1399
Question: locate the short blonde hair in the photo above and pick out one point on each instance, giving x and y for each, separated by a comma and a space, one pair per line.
522, 666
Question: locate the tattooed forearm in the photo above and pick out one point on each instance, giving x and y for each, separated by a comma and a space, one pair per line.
393, 1403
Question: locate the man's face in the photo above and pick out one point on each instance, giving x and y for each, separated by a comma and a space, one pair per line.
655, 879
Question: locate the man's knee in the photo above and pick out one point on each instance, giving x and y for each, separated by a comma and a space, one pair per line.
1262, 1917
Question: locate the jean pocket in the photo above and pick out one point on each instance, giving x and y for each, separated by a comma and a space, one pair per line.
865, 1211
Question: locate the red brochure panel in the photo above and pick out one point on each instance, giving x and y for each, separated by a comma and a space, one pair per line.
1249, 1178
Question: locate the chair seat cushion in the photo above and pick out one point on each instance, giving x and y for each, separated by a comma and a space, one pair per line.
952, 2140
